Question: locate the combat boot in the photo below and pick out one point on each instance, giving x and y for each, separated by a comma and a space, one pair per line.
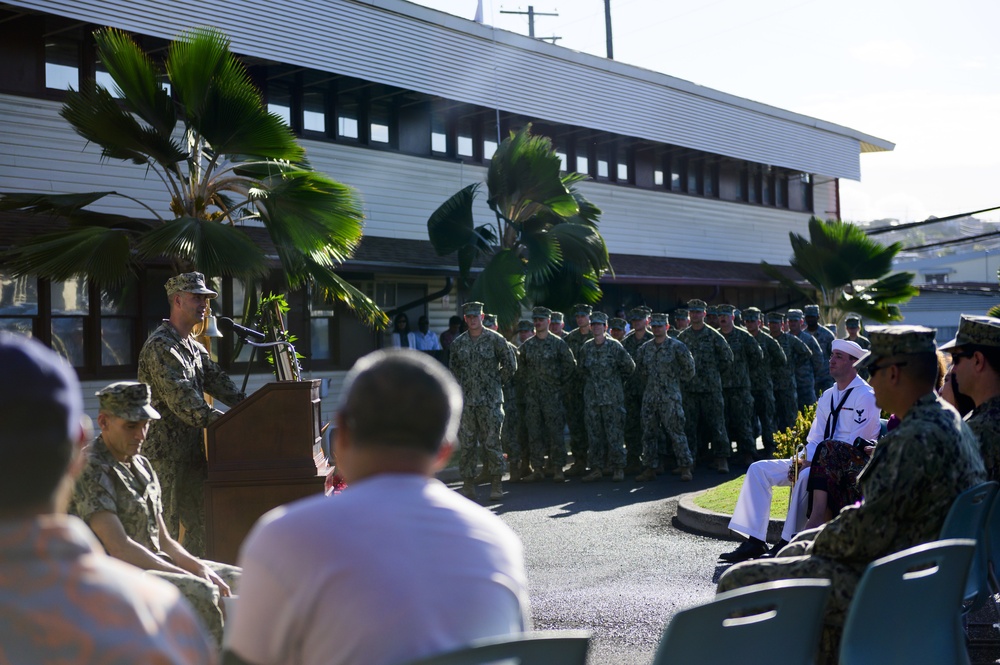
647, 475
468, 489
593, 476
685, 473
483, 477
576, 469
618, 476
532, 477
496, 488
559, 476
721, 465
515, 472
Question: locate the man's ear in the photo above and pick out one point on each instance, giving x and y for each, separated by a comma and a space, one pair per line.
443, 455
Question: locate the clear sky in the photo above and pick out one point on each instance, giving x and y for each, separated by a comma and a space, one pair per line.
924, 75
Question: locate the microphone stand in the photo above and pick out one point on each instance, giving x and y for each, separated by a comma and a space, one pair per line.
262, 345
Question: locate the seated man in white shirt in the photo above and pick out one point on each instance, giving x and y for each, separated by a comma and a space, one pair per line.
844, 412
398, 566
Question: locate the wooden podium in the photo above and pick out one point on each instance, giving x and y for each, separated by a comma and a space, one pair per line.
263, 453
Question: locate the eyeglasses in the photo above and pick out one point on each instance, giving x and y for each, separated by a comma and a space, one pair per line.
967, 353
874, 368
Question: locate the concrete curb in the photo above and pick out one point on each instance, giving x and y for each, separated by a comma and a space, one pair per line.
711, 523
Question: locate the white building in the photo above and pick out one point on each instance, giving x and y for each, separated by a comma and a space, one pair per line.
402, 102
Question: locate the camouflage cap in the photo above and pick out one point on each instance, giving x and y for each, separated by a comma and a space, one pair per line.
489, 320
975, 330
811, 310
888, 341
599, 317
852, 318
645, 310
638, 313
472, 308
657, 319
128, 400
751, 314
582, 310
541, 313
189, 282
794, 315
712, 310
775, 317
524, 325
696, 305
728, 310
681, 313
557, 317
616, 323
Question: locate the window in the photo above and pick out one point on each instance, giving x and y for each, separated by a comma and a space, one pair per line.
347, 116
18, 303
70, 304
279, 100
62, 63
118, 320
379, 120
466, 138
622, 164
314, 100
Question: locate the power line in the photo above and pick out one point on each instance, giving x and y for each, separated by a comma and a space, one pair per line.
954, 241
903, 227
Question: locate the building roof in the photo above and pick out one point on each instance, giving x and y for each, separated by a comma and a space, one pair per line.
415, 48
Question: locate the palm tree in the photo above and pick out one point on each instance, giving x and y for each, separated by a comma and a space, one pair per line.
849, 272
229, 164
544, 247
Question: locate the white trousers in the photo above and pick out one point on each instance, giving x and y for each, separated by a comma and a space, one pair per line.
753, 508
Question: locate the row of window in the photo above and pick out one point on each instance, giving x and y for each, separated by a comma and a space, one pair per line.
328, 107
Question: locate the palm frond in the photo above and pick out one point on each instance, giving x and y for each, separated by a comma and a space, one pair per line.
777, 275
501, 286
211, 247
582, 246
38, 202
103, 255
137, 79
334, 288
450, 227
544, 254
524, 178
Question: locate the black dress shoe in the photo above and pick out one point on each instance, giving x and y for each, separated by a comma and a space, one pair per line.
773, 552
748, 549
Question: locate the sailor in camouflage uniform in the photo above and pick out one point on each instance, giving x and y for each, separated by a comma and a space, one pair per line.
179, 371
747, 359
806, 373
482, 361
616, 328
761, 380
573, 392
605, 366
639, 335
852, 324
797, 354
513, 435
681, 321
825, 339
547, 365
662, 365
975, 353
557, 325
913, 477
118, 496
704, 405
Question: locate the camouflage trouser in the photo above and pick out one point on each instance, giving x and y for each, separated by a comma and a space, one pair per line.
575, 419
659, 418
203, 595
739, 418
763, 405
843, 575
478, 431
543, 414
785, 409
705, 412
805, 395
183, 486
633, 425
606, 434
511, 431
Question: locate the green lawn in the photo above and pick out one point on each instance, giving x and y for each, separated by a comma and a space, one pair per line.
722, 499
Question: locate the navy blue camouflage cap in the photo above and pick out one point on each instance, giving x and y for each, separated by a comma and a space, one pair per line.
582, 310
557, 317
696, 305
541, 313
852, 321
658, 319
489, 320
129, 400
616, 323
681, 313
189, 282
889, 341
794, 315
638, 313
775, 317
473, 308
524, 325
599, 317
751, 314
712, 310
975, 331
811, 310
728, 310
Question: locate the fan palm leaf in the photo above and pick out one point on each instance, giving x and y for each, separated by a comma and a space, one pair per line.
501, 286
137, 80
205, 245
104, 255
523, 179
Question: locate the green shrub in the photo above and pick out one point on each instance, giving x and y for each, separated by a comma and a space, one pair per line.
787, 443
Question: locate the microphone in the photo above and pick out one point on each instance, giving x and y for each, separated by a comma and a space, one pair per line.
242, 331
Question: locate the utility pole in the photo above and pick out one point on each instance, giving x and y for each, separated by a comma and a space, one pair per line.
607, 28
531, 13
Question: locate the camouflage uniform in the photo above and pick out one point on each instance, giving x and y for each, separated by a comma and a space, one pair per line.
914, 475
762, 384
510, 432
795, 373
984, 421
482, 365
573, 394
132, 493
179, 371
661, 368
824, 338
634, 388
747, 358
547, 365
704, 406
605, 368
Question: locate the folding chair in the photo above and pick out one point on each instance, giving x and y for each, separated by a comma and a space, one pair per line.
552, 647
967, 518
